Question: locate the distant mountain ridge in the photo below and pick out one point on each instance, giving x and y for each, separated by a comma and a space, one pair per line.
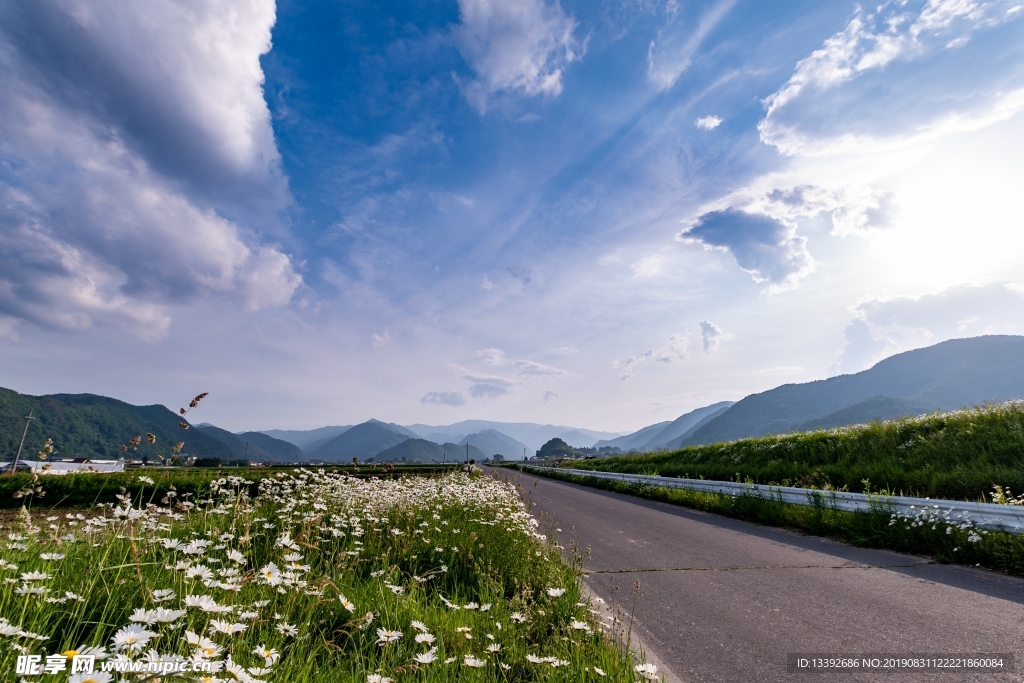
255, 446
362, 441
530, 434
421, 450
946, 376
664, 435
492, 442
308, 438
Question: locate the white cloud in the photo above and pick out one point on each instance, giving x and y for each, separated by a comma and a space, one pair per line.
670, 54
381, 339
529, 367
131, 132
648, 266
549, 395
514, 46
708, 122
889, 79
677, 349
564, 351
712, 336
497, 358
486, 284
445, 398
883, 327
858, 210
486, 388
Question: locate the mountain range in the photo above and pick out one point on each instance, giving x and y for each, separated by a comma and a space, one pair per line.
946, 376
949, 375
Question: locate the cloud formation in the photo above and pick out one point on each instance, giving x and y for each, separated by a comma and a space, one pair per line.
712, 336
883, 327
900, 73
497, 358
551, 395
708, 122
677, 349
766, 247
514, 46
857, 210
444, 398
130, 134
669, 55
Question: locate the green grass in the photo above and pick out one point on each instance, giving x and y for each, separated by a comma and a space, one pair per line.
953, 456
352, 556
923, 534
86, 489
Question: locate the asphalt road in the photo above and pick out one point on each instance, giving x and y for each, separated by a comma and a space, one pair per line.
725, 600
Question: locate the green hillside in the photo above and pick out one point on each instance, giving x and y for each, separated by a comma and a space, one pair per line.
90, 426
957, 455
950, 375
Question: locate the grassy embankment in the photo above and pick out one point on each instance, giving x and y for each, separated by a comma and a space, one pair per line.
320, 577
953, 455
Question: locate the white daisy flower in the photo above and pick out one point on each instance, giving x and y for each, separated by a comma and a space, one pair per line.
131, 638
427, 657
556, 592
269, 654
287, 629
226, 627
471, 661
648, 671
425, 638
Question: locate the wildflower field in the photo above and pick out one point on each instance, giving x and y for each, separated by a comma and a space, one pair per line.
86, 489
959, 455
318, 576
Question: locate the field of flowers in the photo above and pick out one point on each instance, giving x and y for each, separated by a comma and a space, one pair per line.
87, 488
318, 577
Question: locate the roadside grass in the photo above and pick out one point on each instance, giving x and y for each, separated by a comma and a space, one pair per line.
79, 490
959, 455
319, 577
928, 533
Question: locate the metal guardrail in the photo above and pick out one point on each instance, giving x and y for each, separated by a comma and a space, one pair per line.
1006, 518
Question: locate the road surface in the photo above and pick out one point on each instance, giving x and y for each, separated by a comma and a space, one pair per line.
725, 600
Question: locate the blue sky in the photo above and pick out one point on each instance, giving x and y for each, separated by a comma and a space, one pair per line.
602, 214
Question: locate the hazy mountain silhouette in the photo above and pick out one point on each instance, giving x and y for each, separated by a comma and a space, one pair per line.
421, 450
260, 447
362, 441
491, 442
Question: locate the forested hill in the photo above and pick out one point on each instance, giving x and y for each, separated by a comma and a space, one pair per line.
90, 426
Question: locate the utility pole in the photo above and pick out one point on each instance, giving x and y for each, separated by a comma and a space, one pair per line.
246, 452
467, 452
14, 467
524, 455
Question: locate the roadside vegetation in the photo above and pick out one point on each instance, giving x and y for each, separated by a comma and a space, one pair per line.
959, 455
928, 532
318, 576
